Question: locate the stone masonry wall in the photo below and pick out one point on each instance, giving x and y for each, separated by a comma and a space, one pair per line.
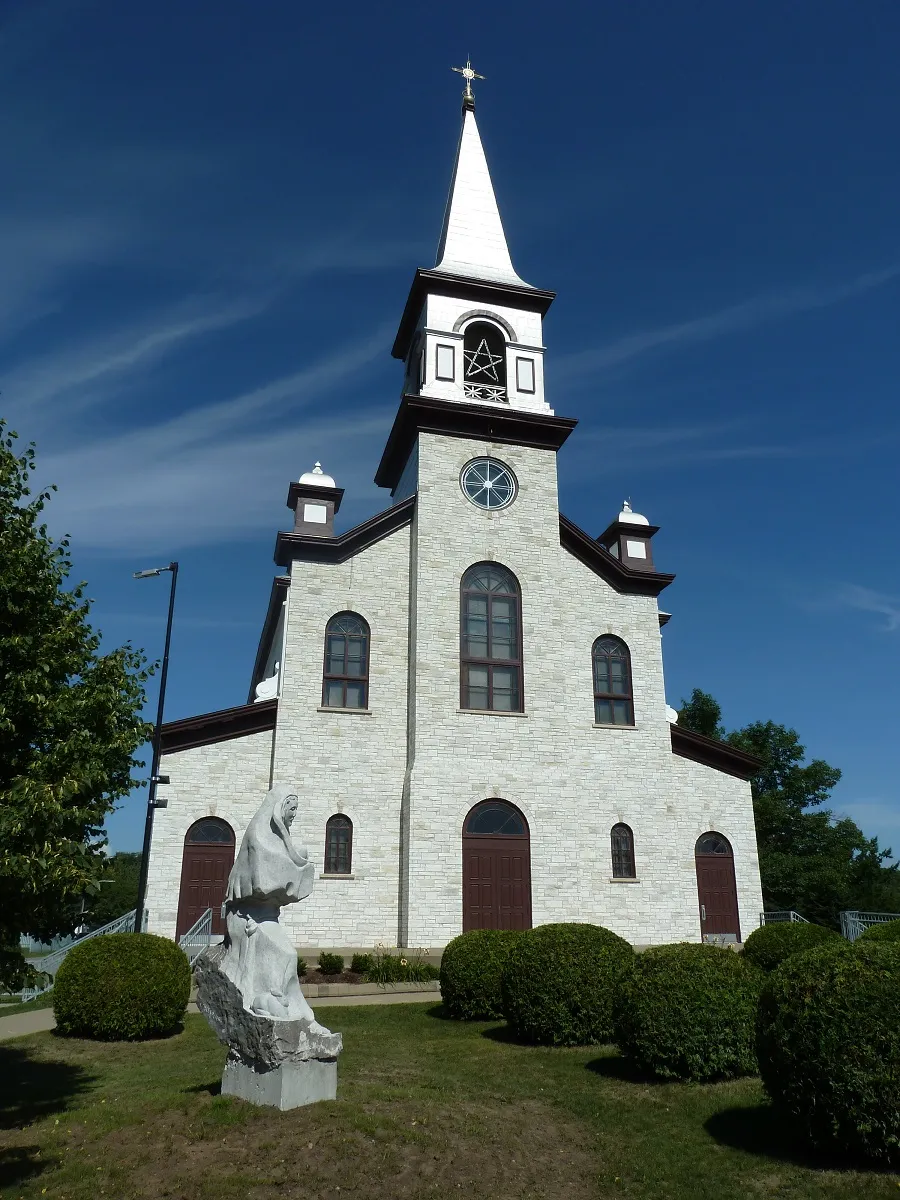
572, 780
228, 780
348, 762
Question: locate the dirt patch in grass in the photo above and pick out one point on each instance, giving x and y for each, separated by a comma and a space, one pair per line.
387, 1150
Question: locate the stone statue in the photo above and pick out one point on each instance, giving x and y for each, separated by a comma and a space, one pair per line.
248, 988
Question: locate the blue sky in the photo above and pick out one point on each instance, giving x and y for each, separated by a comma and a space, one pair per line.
209, 219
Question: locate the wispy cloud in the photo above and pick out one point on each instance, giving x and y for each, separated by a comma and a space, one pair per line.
863, 599
218, 472
83, 373
735, 318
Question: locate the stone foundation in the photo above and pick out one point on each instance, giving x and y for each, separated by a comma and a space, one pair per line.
288, 1086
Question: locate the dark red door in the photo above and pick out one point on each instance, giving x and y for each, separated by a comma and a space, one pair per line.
716, 886
496, 868
205, 867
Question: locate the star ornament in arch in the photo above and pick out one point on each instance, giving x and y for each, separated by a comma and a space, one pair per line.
482, 362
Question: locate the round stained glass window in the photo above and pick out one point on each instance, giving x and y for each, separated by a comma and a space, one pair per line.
488, 483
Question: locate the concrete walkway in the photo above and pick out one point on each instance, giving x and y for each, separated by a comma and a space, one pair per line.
41, 1019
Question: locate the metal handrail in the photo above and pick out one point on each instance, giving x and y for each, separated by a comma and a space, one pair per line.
769, 918
855, 923
49, 964
198, 937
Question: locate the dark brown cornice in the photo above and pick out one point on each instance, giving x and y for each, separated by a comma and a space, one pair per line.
478, 290
292, 546
713, 753
308, 491
221, 726
486, 423
601, 562
280, 585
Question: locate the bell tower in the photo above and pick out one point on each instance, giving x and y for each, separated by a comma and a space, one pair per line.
471, 331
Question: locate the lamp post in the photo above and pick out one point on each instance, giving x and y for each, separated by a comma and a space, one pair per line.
155, 777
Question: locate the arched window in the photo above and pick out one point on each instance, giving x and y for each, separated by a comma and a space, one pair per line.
613, 703
210, 829
622, 844
338, 845
493, 818
484, 356
713, 843
346, 676
490, 640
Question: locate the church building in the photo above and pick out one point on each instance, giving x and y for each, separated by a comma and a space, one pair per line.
466, 690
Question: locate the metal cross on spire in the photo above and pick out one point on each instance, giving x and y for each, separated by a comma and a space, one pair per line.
468, 75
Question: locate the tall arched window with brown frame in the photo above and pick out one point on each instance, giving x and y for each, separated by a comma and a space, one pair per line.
338, 845
490, 639
622, 846
613, 701
345, 682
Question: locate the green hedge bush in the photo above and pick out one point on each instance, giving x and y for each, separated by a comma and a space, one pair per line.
331, 964
471, 970
559, 981
828, 1042
885, 931
361, 964
770, 945
688, 1011
122, 987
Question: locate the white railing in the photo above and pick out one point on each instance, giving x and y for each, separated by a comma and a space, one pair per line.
49, 964
197, 938
484, 391
855, 923
770, 918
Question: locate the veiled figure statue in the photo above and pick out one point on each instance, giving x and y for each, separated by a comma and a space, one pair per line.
269, 872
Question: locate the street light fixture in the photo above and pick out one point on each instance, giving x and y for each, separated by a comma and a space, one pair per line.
155, 777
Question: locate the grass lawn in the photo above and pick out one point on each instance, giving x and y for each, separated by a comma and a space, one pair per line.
427, 1108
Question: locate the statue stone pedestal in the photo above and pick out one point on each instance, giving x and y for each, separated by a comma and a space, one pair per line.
275, 1061
287, 1086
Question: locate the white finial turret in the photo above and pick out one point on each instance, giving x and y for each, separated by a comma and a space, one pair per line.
628, 517
317, 477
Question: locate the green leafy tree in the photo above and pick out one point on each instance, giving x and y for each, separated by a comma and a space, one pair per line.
69, 724
810, 861
118, 890
702, 714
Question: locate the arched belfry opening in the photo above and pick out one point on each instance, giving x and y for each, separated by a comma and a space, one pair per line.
484, 356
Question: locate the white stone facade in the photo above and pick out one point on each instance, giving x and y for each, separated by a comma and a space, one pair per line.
409, 768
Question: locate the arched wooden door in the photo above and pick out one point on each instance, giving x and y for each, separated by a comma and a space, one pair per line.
205, 867
716, 887
496, 854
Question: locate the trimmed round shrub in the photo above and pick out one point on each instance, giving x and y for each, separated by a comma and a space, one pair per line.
361, 964
122, 987
301, 966
885, 931
688, 1011
770, 945
828, 1042
471, 969
331, 964
559, 981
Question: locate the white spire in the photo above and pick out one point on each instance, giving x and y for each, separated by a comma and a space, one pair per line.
317, 477
472, 240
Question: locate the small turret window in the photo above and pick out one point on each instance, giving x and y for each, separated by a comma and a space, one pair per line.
484, 355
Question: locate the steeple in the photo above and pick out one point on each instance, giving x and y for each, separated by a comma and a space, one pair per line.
473, 244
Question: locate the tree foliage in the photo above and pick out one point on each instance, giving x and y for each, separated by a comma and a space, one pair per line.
118, 890
810, 860
69, 724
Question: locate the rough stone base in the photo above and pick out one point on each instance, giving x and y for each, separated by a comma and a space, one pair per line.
288, 1086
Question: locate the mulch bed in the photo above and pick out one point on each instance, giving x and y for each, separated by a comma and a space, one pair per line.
316, 976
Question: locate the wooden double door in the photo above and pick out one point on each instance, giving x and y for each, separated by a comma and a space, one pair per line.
716, 886
205, 867
496, 859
